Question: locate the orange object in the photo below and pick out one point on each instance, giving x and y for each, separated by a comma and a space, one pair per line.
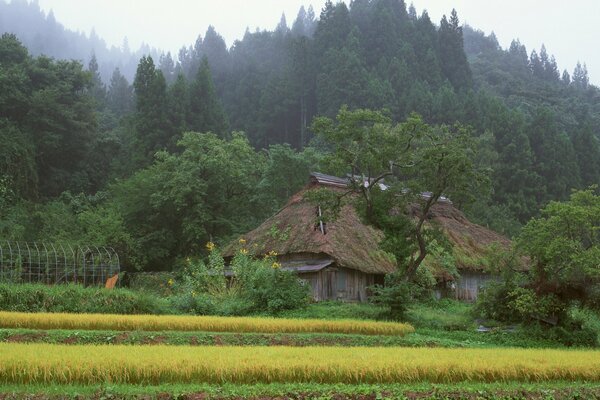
111, 282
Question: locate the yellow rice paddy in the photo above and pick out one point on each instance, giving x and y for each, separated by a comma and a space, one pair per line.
192, 323
59, 364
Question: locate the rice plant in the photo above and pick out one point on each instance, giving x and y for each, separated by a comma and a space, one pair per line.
191, 323
60, 364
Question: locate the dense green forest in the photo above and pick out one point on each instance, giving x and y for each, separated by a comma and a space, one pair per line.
88, 159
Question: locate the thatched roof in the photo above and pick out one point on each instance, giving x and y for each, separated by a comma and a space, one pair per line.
294, 234
470, 242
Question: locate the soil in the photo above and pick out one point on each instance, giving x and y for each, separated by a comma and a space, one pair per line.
561, 394
120, 338
153, 340
27, 337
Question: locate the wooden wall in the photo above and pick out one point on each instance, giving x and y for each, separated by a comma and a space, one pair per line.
334, 283
468, 284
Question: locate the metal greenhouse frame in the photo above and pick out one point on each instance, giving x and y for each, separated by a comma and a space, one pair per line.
54, 263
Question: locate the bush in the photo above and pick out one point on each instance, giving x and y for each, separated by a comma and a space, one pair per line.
77, 299
396, 296
256, 286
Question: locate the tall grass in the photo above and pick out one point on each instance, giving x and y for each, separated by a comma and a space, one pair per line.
78, 299
204, 323
56, 364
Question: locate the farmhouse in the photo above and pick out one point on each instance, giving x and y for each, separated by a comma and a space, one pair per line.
470, 243
341, 259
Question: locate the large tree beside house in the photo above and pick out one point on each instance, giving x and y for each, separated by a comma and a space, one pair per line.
421, 165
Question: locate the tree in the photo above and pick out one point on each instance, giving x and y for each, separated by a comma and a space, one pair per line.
98, 89
564, 246
580, 76
167, 66
205, 114
453, 59
422, 164
206, 192
120, 95
152, 132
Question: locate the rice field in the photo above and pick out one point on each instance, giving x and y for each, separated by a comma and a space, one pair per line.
59, 364
15, 320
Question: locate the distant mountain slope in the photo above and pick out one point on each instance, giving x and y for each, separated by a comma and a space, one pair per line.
42, 34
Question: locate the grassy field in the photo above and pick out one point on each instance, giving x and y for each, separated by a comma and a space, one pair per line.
62, 364
193, 323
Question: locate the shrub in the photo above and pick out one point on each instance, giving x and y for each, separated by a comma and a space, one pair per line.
77, 299
255, 286
396, 296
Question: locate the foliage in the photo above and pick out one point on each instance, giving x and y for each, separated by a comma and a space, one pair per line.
561, 247
442, 315
63, 129
422, 164
336, 310
256, 286
77, 299
564, 245
426, 391
396, 295
20, 363
182, 200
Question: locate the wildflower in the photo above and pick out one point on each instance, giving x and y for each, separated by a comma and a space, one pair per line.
272, 253
188, 261
244, 251
194, 293
276, 265
210, 246
242, 241
170, 282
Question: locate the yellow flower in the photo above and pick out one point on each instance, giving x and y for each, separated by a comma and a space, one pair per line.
194, 294
170, 282
276, 265
242, 241
244, 251
272, 253
210, 246
187, 260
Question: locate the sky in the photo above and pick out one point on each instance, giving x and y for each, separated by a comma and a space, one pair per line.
569, 29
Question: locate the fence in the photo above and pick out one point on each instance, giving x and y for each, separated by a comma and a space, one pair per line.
54, 263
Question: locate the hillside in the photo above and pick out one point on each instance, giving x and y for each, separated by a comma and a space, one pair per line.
537, 128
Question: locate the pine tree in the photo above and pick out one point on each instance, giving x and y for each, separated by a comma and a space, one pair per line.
167, 66
120, 95
205, 114
535, 65
179, 106
152, 131
453, 59
97, 89
566, 78
580, 76
587, 151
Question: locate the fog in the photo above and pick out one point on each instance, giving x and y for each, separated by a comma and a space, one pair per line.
568, 29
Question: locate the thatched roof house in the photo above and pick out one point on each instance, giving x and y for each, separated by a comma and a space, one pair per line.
339, 261
342, 259
470, 244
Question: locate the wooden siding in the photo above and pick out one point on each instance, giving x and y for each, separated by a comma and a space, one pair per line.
469, 283
336, 283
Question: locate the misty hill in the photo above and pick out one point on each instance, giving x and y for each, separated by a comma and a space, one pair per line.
41, 33
538, 126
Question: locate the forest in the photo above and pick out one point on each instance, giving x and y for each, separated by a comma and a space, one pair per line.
203, 146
